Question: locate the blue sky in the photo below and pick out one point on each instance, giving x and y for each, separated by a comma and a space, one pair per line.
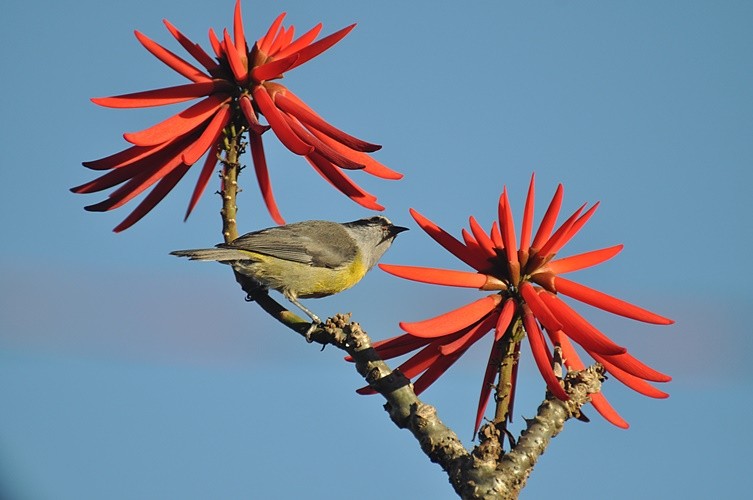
126, 373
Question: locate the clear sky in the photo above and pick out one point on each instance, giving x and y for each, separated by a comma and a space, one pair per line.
127, 373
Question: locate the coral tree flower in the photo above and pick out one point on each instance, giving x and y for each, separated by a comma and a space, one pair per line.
527, 285
235, 86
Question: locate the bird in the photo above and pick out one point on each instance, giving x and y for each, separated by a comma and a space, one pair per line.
308, 259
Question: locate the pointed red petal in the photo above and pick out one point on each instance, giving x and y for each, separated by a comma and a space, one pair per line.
578, 329
262, 177
123, 158
273, 69
507, 225
421, 361
470, 337
397, 346
636, 383
244, 101
452, 245
179, 124
607, 302
542, 356
436, 370
201, 184
492, 367
550, 217
527, 227
301, 42
539, 308
309, 52
372, 166
216, 44
572, 230
505, 318
321, 148
239, 69
283, 39
209, 137
278, 123
266, 41
298, 109
435, 276
496, 236
164, 96
238, 34
342, 182
558, 238
176, 63
193, 48
153, 198
633, 366
484, 241
583, 260
601, 405
453, 321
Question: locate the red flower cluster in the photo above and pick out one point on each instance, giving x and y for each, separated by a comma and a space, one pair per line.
527, 284
236, 87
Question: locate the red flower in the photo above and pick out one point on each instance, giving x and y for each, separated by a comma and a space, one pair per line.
527, 285
235, 87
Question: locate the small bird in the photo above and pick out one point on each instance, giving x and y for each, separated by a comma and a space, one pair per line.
307, 259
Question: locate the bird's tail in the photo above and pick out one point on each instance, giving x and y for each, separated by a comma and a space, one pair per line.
218, 254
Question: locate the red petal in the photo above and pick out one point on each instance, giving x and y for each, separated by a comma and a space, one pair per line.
496, 236
273, 69
161, 97
601, 405
238, 35
420, 362
637, 384
283, 39
278, 123
527, 227
607, 302
559, 237
453, 321
342, 182
631, 365
301, 42
436, 370
266, 41
542, 356
492, 367
505, 318
452, 245
507, 225
309, 52
201, 184
193, 48
578, 329
153, 198
484, 241
573, 230
244, 101
321, 148
262, 177
372, 166
296, 108
216, 44
550, 217
539, 309
434, 276
209, 137
397, 346
583, 260
239, 69
179, 124
178, 64
123, 158
470, 337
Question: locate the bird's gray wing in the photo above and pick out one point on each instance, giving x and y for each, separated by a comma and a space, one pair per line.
316, 243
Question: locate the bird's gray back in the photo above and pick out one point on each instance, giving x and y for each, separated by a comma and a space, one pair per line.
316, 243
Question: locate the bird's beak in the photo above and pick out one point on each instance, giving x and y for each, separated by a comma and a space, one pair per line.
395, 230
